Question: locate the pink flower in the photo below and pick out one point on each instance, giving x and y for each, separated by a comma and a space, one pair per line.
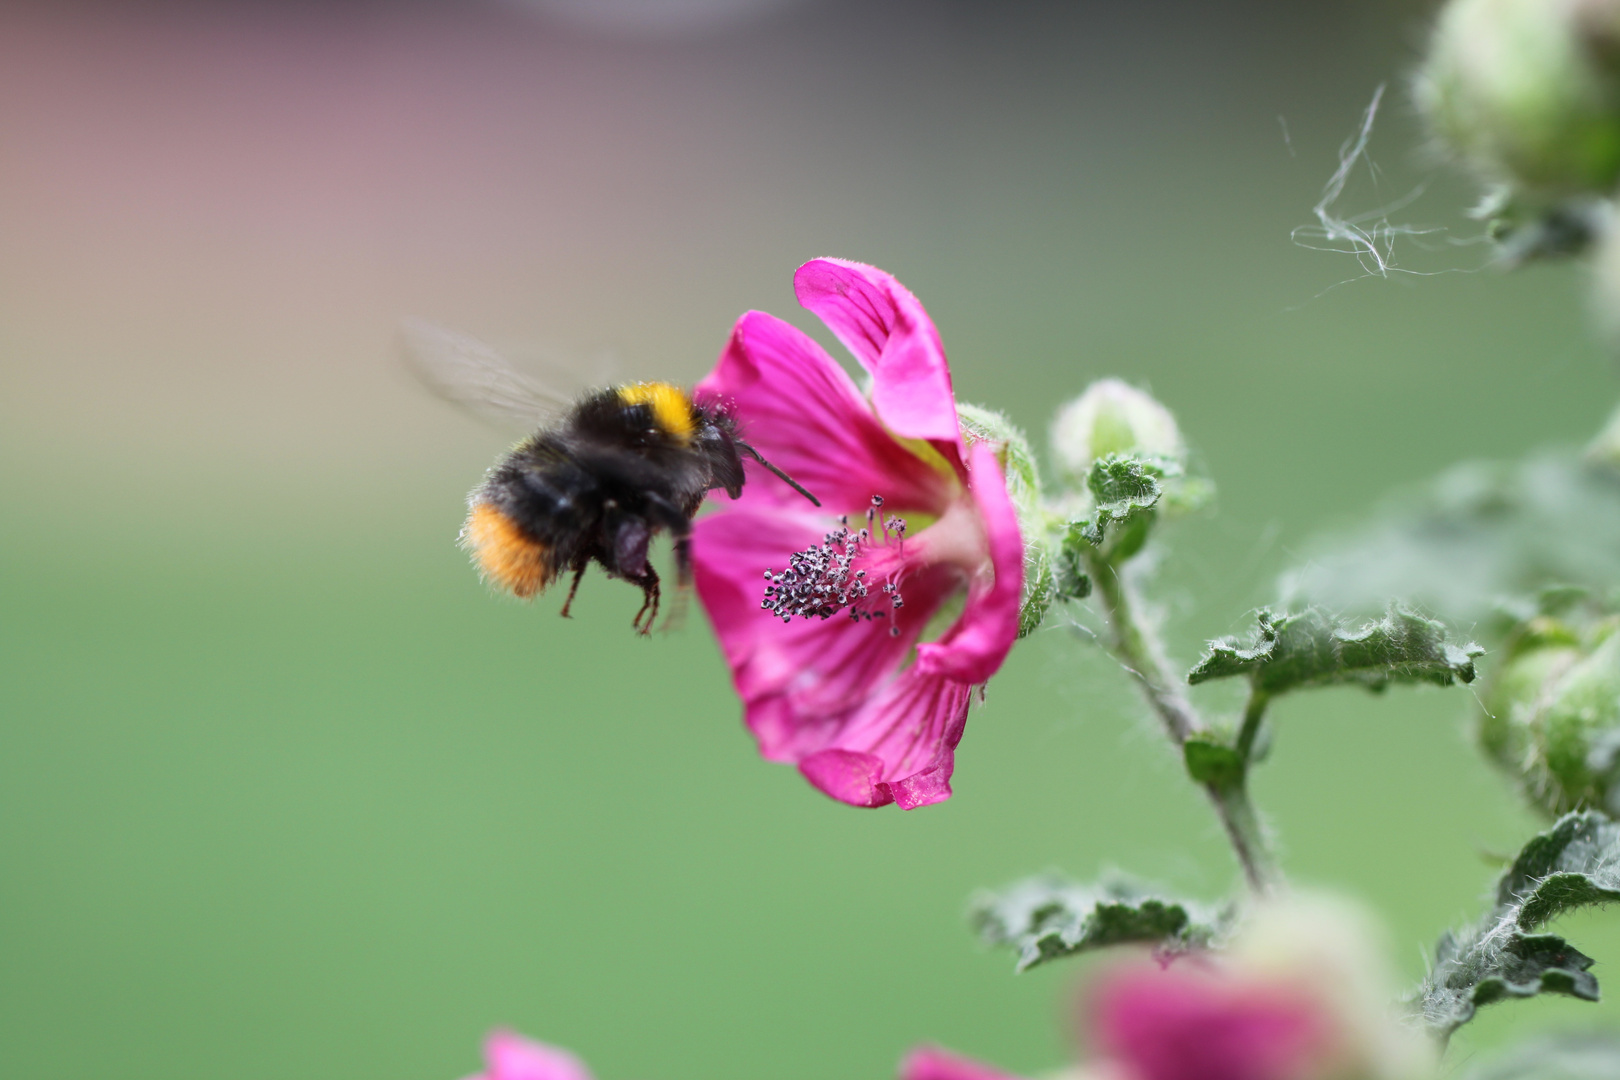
1188, 1022
512, 1057
1185, 1022
932, 1063
820, 613
1299, 994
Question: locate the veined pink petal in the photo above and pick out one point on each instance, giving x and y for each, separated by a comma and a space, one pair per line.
797, 680
887, 329
977, 643
899, 746
512, 1057
932, 1063
803, 412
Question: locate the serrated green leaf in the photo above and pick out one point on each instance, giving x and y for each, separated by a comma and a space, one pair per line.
1468, 975
1048, 917
1313, 648
1123, 488
1573, 864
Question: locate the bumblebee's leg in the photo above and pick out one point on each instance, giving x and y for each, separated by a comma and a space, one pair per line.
649, 601
683, 559
579, 574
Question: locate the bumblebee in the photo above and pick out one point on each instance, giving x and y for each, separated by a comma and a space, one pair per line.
597, 480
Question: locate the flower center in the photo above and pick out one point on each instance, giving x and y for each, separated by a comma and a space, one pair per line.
857, 572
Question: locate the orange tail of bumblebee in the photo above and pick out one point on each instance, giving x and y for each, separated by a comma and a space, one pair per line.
505, 554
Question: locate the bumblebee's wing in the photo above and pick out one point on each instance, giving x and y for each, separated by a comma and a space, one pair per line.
463, 370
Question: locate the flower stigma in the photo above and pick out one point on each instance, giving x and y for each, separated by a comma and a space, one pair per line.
822, 580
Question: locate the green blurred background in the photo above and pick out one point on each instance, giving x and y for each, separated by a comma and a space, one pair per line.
284, 792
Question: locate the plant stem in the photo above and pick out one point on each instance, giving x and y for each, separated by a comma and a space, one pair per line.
1138, 649
1248, 838
1253, 713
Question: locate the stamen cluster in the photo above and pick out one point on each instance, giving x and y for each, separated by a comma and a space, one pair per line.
821, 580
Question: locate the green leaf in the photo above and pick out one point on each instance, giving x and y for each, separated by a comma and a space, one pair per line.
1573, 864
1564, 1057
1073, 582
1048, 917
1476, 534
1576, 862
1124, 489
1313, 648
1468, 975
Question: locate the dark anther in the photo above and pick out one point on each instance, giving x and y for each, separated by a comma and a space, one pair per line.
821, 581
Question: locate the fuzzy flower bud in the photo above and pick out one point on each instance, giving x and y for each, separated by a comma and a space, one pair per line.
1551, 714
1113, 417
1024, 488
1527, 92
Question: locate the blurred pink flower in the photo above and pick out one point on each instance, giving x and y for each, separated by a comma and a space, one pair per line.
932, 1063
820, 612
1185, 1022
1299, 994
1191, 1022
512, 1057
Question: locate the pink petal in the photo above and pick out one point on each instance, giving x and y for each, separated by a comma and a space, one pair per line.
824, 693
804, 414
932, 1063
887, 329
1184, 1023
796, 679
977, 643
512, 1057
899, 747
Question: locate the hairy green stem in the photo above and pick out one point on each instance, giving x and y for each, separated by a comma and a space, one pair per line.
1137, 648
1135, 645
1254, 713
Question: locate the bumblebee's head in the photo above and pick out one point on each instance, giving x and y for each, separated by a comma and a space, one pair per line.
662, 411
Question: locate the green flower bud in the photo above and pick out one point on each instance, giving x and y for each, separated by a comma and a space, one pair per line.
1528, 92
1113, 417
1024, 486
1551, 715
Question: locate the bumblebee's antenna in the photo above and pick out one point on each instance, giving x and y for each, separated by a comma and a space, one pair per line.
778, 473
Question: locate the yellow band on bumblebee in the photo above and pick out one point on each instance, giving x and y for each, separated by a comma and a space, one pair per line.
671, 408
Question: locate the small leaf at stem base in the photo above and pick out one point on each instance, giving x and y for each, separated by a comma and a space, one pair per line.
1213, 763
